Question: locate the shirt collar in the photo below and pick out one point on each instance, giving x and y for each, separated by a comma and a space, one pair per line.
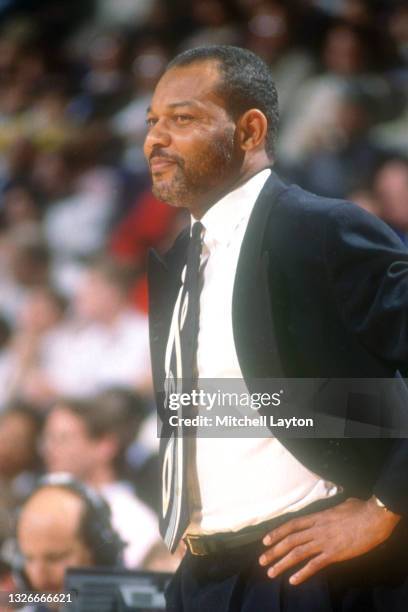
223, 218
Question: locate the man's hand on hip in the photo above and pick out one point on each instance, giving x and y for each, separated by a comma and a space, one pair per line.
348, 530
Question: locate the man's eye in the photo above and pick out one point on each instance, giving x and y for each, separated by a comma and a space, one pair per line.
150, 121
57, 556
181, 119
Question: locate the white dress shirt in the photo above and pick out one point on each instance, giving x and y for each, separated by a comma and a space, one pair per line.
237, 482
133, 520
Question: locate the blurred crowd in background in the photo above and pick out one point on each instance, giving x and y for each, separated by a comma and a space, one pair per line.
77, 216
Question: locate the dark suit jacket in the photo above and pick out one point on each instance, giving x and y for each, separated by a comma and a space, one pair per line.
321, 290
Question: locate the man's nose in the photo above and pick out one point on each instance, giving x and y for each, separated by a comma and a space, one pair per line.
157, 136
40, 576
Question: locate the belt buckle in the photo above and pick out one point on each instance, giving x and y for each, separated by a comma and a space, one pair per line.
196, 545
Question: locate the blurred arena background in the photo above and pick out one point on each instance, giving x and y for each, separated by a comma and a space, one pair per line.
77, 216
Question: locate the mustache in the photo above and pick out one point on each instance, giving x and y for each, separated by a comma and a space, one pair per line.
164, 155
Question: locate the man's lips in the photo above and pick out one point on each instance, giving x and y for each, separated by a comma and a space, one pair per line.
157, 164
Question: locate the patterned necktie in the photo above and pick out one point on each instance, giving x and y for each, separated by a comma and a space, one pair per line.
181, 377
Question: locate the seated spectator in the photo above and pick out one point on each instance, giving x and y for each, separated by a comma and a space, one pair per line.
347, 60
24, 264
20, 428
106, 344
37, 321
106, 81
271, 34
20, 205
63, 524
89, 439
330, 168
81, 196
48, 123
140, 464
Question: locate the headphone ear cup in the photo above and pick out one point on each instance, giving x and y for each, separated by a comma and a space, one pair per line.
22, 580
105, 542
113, 546
16, 561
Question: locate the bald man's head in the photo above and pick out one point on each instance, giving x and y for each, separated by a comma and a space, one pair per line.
49, 536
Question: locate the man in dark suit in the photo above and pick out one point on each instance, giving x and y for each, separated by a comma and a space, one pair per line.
270, 282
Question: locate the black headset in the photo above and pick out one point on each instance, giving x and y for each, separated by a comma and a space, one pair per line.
96, 527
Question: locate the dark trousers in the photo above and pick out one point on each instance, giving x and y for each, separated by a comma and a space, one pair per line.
234, 582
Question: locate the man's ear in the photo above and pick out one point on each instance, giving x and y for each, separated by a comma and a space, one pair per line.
252, 128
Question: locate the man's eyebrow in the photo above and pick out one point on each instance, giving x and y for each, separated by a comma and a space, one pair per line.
183, 103
176, 104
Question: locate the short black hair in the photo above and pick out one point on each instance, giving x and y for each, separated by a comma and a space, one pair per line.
246, 82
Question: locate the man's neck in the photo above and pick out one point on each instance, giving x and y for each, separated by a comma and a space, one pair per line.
199, 209
103, 475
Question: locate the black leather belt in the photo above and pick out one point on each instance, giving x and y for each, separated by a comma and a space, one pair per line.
214, 544
205, 545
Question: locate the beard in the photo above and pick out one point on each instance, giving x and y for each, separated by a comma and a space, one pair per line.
206, 171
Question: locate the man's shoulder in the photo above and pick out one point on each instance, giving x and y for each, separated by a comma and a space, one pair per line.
294, 199
300, 222
292, 213
296, 206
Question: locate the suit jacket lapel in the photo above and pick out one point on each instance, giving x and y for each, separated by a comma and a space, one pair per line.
252, 316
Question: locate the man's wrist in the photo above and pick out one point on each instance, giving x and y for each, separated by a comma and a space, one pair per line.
387, 513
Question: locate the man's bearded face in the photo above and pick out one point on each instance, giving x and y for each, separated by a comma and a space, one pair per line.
190, 143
